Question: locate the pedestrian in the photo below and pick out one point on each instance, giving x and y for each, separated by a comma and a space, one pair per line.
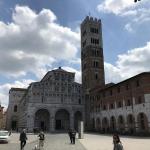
73, 136
23, 138
69, 133
117, 143
41, 139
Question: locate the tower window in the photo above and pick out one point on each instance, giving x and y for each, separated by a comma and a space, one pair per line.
84, 66
84, 33
94, 41
15, 108
84, 43
96, 76
95, 64
93, 30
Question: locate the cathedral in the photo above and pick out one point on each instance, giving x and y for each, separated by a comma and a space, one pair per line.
58, 103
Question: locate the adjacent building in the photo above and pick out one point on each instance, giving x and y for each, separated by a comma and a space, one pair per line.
2, 118
123, 107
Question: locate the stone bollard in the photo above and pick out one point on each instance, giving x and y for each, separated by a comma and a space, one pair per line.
81, 129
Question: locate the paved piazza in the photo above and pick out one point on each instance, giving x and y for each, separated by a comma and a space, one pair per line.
90, 142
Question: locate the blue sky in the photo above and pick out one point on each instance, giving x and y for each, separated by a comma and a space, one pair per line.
37, 36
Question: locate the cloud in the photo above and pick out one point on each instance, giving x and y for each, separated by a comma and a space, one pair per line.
136, 13
4, 89
129, 64
128, 27
33, 40
115, 6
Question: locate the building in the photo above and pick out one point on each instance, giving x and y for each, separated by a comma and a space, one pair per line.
15, 96
123, 107
2, 118
57, 102
54, 103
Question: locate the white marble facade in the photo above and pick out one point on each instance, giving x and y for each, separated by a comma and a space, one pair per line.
54, 103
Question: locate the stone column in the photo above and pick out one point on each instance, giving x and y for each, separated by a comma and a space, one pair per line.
52, 122
126, 124
72, 120
30, 123
136, 123
81, 129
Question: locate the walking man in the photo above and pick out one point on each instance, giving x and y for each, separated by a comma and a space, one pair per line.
23, 138
41, 139
73, 136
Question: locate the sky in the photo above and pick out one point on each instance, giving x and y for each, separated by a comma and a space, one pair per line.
37, 36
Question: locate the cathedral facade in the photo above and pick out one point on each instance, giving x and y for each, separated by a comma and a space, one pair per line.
57, 102
54, 103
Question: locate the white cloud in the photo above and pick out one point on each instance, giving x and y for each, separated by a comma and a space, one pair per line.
128, 27
115, 6
136, 13
129, 64
33, 40
4, 89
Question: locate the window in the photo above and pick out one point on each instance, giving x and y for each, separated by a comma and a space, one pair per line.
112, 106
94, 41
103, 94
96, 76
139, 101
127, 86
84, 33
84, 43
118, 89
79, 101
84, 66
15, 108
119, 104
104, 107
110, 92
95, 64
137, 83
93, 30
129, 102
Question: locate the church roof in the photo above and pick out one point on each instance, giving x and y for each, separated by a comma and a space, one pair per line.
56, 70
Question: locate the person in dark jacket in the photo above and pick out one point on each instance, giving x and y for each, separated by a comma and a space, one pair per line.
73, 136
41, 139
117, 143
23, 138
69, 133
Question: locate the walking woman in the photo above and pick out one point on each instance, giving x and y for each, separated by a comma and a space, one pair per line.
117, 142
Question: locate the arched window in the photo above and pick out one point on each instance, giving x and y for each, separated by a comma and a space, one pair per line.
15, 108
79, 101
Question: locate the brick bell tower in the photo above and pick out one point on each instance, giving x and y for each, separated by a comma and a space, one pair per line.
92, 60
92, 53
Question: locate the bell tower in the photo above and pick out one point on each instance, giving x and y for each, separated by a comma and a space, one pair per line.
92, 54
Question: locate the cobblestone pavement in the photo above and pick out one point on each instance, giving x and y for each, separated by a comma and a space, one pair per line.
52, 142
